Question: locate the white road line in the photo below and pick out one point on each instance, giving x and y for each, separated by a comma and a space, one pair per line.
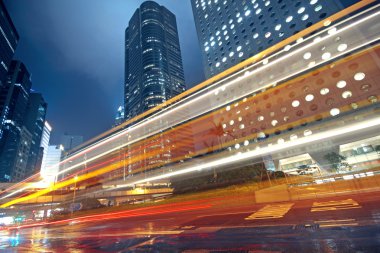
335, 205
274, 211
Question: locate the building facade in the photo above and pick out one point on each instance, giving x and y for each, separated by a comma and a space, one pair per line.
231, 31
14, 138
153, 62
45, 140
51, 162
119, 118
34, 122
71, 141
8, 42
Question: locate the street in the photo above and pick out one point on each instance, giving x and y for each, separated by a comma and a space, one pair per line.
334, 224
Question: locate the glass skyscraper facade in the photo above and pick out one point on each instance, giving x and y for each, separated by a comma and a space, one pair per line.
8, 42
230, 31
153, 62
34, 122
15, 139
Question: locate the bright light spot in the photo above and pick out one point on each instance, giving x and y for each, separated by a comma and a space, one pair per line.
309, 97
341, 84
237, 146
232, 122
289, 19
347, 94
311, 64
312, 2
334, 111
228, 108
327, 23
307, 132
324, 91
326, 56
342, 47
307, 55
246, 143
296, 103
359, 76
301, 10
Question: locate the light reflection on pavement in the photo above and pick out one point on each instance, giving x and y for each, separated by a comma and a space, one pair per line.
226, 229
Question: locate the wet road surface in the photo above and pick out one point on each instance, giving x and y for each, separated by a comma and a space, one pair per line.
335, 224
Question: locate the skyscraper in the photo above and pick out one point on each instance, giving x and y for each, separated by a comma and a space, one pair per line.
15, 138
71, 141
153, 62
231, 31
45, 140
51, 162
34, 122
8, 42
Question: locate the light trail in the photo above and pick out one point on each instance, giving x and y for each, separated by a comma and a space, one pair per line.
265, 151
185, 103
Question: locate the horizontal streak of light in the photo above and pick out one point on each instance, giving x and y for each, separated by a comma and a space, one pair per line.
183, 104
238, 68
329, 221
210, 93
119, 215
338, 225
194, 100
267, 150
252, 60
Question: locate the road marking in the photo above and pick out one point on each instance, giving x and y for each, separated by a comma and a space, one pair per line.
336, 223
334, 205
274, 211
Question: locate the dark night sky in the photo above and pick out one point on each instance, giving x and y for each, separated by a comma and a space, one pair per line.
75, 52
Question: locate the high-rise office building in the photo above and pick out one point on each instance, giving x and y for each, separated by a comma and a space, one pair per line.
8, 42
15, 138
45, 140
71, 141
153, 62
231, 31
34, 122
51, 164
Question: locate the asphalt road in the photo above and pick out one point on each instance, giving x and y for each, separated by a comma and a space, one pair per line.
334, 224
